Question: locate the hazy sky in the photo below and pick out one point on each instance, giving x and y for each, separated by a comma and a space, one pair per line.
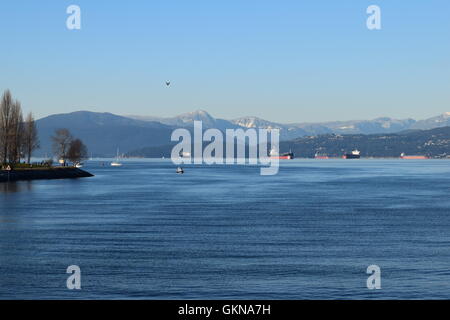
284, 60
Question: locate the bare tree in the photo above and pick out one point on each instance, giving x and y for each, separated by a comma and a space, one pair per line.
6, 104
61, 143
15, 135
11, 129
30, 137
77, 151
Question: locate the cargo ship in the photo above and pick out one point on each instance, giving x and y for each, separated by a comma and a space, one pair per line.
321, 156
404, 156
284, 156
355, 154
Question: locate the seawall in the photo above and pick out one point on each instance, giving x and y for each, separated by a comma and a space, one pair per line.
43, 174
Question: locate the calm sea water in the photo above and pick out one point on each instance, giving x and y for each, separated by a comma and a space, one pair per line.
225, 232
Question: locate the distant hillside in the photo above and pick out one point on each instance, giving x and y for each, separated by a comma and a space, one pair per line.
434, 143
103, 133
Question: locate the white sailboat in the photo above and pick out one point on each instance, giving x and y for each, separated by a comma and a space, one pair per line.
117, 162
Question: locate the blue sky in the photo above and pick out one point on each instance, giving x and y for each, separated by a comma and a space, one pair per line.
288, 61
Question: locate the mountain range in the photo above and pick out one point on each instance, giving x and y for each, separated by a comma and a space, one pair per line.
103, 133
295, 130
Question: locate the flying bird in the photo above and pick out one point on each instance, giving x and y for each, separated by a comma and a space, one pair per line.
167, 83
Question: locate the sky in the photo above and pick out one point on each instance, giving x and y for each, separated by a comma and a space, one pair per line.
284, 60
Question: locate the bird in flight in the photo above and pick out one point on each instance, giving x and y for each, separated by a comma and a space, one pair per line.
167, 83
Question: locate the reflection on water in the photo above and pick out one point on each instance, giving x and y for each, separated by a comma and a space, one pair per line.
225, 232
13, 187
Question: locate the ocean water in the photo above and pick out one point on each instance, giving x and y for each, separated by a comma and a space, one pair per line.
225, 232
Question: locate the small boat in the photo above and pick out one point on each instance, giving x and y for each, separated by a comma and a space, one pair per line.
184, 154
180, 170
117, 162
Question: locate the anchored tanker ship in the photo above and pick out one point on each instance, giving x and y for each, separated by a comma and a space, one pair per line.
284, 156
321, 156
355, 154
404, 156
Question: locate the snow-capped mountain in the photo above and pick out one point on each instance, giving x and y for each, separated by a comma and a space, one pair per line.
254, 122
187, 120
295, 130
287, 131
442, 120
378, 125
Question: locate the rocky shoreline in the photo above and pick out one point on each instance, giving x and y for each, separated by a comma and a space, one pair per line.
43, 174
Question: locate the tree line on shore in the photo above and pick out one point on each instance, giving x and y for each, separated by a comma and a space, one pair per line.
19, 136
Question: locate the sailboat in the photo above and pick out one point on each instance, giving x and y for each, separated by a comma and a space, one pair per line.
116, 163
